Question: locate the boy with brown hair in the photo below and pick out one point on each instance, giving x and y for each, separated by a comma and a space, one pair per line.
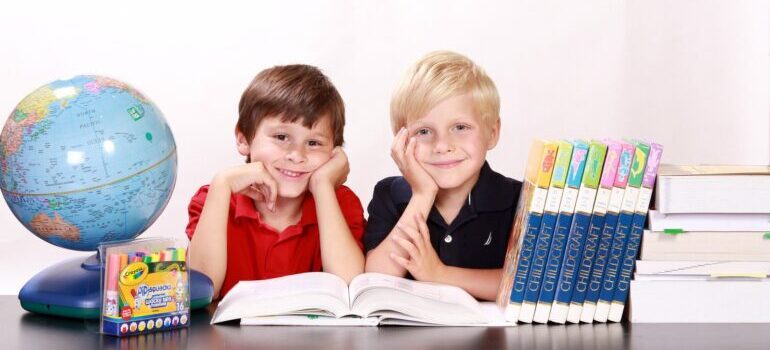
285, 211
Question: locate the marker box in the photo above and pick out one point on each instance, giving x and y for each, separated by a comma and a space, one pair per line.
145, 286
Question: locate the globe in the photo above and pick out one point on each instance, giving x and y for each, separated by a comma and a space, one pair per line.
86, 160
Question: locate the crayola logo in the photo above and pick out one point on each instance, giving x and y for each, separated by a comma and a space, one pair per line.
134, 273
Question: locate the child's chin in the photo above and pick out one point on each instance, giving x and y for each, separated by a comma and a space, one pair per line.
292, 191
450, 182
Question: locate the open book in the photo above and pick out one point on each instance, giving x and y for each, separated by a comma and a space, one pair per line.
319, 298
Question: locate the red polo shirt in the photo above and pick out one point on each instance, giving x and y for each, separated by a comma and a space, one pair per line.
257, 251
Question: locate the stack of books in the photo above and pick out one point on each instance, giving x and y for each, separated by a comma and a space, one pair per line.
706, 256
575, 240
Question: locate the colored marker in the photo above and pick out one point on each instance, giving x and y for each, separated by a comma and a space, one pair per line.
111, 290
123, 261
180, 254
171, 254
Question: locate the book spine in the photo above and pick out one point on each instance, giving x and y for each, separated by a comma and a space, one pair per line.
566, 279
538, 175
614, 259
553, 264
607, 232
598, 269
583, 278
603, 196
637, 227
558, 181
622, 232
577, 233
525, 257
563, 224
538, 263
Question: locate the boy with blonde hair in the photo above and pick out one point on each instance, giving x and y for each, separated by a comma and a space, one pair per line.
448, 218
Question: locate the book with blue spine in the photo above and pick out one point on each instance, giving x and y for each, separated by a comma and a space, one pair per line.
563, 224
622, 232
525, 229
605, 241
637, 227
551, 211
603, 196
578, 231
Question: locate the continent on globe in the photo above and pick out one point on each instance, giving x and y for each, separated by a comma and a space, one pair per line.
86, 160
30, 111
48, 227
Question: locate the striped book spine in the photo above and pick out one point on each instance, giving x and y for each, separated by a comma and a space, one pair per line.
603, 196
608, 231
637, 227
563, 224
622, 232
537, 178
558, 181
578, 231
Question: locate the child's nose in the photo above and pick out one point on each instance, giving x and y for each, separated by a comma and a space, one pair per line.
296, 155
443, 145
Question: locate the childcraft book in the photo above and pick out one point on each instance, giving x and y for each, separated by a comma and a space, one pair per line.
320, 298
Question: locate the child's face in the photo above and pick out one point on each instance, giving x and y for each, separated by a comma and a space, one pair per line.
452, 142
290, 152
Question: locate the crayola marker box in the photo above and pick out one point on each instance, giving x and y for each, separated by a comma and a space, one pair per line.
145, 286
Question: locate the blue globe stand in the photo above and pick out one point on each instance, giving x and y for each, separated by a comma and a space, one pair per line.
71, 288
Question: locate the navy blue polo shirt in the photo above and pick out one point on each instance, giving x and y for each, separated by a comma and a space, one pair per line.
478, 236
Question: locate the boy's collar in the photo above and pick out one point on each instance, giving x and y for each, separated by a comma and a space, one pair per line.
492, 191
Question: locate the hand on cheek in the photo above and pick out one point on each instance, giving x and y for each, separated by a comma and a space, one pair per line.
254, 181
333, 173
403, 151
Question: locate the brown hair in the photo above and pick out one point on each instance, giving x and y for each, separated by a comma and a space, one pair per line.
292, 92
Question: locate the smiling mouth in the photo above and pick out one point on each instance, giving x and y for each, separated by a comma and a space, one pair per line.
447, 164
291, 174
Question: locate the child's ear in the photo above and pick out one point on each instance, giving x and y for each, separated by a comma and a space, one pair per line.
494, 135
242, 142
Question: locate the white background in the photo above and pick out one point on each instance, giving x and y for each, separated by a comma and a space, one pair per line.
691, 75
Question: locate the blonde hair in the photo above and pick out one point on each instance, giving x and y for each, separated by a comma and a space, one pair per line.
436, 77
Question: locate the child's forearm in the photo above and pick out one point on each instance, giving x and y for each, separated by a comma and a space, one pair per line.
481, 283
208, 247
340, 254
378, 259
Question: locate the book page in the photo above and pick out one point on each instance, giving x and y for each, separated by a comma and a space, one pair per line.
310, 320
372, 293
691, 170
306, 293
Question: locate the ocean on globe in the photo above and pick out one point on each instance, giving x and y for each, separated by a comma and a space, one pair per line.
86, 160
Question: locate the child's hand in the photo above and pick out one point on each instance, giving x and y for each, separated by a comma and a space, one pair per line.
402, 152
423, 262
254, 181
334, 172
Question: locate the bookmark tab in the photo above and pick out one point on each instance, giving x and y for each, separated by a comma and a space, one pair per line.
673, 231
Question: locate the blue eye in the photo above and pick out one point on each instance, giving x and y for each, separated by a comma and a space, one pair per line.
462, 127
